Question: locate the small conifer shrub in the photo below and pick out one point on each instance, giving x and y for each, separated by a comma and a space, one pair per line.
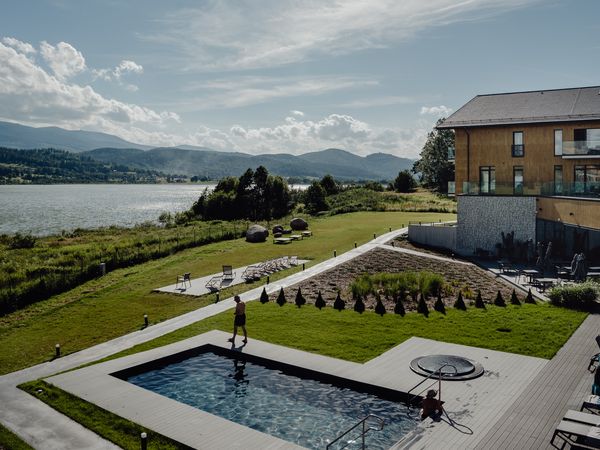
439, 304
460, 303
281, 298
514, 300
399, 307
422, 306
479, 301
359, 305
339, 304
300, 300
380, 307
499, 301
319, 302
529, 298
264, 297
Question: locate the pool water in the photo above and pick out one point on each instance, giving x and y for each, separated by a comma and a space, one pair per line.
299, 410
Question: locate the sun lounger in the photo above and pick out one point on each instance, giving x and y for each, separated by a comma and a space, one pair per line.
582, 417
577, 434
592, 404
214, 284
183, 281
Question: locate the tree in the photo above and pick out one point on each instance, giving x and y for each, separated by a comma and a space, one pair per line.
479, 301
281, 298
314, 198
514, 300
433, 167
439, 303
460, 303
264, 297
422, 306
359, 305
330, 185
300, 300
499, 300
339, 304
404, 182
529, 298
320, 303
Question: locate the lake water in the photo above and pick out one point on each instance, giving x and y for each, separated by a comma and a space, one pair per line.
49, 209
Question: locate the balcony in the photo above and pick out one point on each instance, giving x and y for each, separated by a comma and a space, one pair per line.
577, 189
451, 188
451, 153
581, 149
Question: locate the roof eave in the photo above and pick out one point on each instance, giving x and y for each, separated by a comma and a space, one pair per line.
464, 124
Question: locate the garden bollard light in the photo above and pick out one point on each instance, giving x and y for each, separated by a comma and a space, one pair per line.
335, 253
303, 266
145, 320
57, 350
268, 279
217, 298
355, 245
143, 441
390, 229
402, 225
374, 235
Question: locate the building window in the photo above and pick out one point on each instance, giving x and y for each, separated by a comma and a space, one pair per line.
558, 180
518, 149
558, 142
518, 180
487, 180
587, 179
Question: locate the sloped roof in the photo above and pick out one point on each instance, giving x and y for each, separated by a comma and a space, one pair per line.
556, 105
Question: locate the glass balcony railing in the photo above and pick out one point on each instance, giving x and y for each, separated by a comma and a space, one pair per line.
451, 153
581, 149
576, 189
451, 187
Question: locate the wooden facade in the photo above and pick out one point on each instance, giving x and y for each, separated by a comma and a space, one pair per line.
486, 146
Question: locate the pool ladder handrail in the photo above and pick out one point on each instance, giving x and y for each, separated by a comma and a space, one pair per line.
362, 422
431, 375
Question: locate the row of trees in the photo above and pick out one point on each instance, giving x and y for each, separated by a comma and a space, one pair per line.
255, 195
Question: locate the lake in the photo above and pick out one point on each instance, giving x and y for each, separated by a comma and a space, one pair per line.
49, 209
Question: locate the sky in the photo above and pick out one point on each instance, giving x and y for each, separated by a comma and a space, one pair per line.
283, 76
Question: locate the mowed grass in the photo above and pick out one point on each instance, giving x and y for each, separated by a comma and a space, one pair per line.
533, 330
10, 441
114, 305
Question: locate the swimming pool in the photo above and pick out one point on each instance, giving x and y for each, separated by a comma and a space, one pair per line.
273, 400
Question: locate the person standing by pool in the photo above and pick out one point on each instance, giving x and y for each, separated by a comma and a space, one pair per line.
239, 319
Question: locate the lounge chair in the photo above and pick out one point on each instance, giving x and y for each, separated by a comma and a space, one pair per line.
183, 280
596, 358
577, 434
582, 417
228, 273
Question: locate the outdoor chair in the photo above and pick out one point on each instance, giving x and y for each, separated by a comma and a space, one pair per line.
183, 281
591, 404
253, 272
578, 435
228, 273
596, 358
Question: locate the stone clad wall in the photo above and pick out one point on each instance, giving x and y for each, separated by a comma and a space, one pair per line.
433, 236
482, 219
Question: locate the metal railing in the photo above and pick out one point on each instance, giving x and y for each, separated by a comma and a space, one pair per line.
451, 153
365, 430
430, 376
517, 150
587, 189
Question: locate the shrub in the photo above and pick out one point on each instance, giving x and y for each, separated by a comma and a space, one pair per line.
514, 300
499, 301
422, 306
264, 297
281, 298
339, 304
581, 296
300, 300
359, 305
460, 303
529, 298
439, 304
479, 301
21, 241
399, 307
319, 302
379, 307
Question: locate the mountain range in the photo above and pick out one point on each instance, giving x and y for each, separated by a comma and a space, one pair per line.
201, 161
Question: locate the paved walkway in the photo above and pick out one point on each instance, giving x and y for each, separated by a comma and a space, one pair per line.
43, 427
197, 286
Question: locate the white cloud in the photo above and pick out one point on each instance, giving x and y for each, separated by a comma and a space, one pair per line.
30, 95
438, 111
378, 101
296, 113
20, 46
239, 35
64, 59
244, 91
125, 67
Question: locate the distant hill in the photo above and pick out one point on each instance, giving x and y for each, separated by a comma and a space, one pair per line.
212, 164
13, 135
201, 161
48, 166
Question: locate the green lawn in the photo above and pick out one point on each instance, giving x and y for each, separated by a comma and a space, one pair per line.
10, 441
533, 330
114, 305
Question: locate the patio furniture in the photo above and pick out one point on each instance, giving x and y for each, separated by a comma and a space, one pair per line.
577, 434
282, 240
183, 280
563, 272
253, 272
544, 283
214, 284
592, 404
596, 358
295, 237
529, 274
582, 417
306, 233
228, 273
505, 266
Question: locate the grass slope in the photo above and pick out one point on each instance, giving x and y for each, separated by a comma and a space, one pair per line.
114, 305
10, 441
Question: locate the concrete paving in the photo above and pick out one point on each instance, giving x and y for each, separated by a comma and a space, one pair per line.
44, 428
